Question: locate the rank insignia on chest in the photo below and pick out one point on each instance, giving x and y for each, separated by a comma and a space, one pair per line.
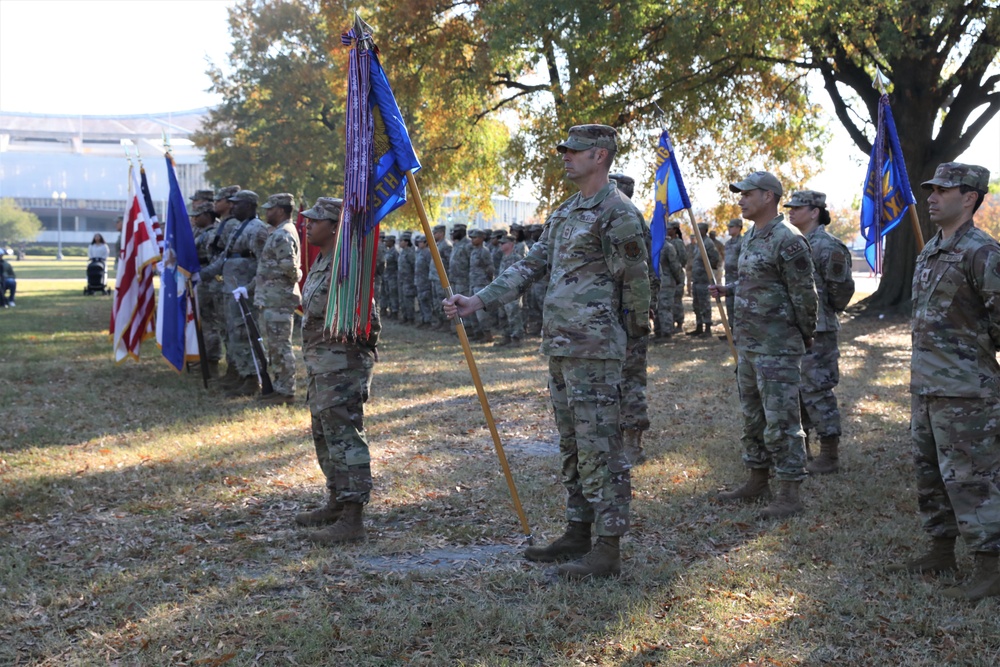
925, 276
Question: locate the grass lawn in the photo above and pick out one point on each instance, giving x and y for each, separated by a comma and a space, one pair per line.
145, 521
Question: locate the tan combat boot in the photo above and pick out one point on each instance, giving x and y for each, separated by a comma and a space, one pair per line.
985, 580
323, 515
575, 542
755, 487
604, 560
230, 379
248, 387
826, 462
632, 444
350, 527
213, 369
940, 558
785, 503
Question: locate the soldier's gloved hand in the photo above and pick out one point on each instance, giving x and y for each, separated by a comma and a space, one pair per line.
241, 291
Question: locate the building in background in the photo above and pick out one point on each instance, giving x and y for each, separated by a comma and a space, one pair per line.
82, 156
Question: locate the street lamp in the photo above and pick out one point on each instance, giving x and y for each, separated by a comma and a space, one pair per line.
60, 199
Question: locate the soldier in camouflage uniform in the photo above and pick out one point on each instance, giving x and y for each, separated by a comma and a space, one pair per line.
537, 291
775, 321
731, 261
407, 284
237, 266
340, 377
444, 250
592, 247
390, 279
820, 365
497, 254
212, 320
202, 197
671, 284
481, 274
700, 280
458, 272
955, 382
422, 278
279, 269
379, 269
217, 245
514, 333
675, 237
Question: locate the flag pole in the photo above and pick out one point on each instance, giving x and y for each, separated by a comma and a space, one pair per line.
483, 401
711, 272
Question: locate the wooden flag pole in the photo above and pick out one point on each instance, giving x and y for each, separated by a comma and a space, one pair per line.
917, 232
483, 401
710, 272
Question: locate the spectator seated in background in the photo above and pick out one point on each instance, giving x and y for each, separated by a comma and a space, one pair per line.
8, 282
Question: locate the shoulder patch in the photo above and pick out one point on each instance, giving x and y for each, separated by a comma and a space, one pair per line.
792, 250
633, 250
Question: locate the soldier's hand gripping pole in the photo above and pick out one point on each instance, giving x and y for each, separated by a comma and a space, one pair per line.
483, 401
256, 342
709, 271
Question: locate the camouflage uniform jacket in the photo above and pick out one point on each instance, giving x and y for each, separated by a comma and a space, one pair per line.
497, 255
421, 275
279, 269
832, 266
598, 289
238, 263
515, 256
458, 266
732, 258
326, 358
671, 269
956, 316
481, 271
391, 271
775, 304
698, 274
380, 259
682, 253
203, 243
223, 230
647, 237
444, 249
406, 264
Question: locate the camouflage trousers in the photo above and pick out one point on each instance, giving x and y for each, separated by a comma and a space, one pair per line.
425, 300
220, 298
537, 290
820, 374
772, 429
956, 450
487, 318
586, 398
665, 317
338, 432
729, 309
407, 308
390, 291
471, 323
277, 326
377, 291
634, 415
702, 304
679, 305
438, 295
212, 321
238, 351
515, 324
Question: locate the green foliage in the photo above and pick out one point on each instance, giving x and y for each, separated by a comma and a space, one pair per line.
16, 224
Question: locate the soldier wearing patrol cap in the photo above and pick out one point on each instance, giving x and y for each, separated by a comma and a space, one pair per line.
481, 274
217, 245
202, 196
444, 250
213, 322
390, 278
407, 286
774, 324
513, 334
458, 271
731, 262
820, 365
237, 266
676, 237
535, 296
340, 377
592, 247
279, 270
422, 280
955, 382
700, 280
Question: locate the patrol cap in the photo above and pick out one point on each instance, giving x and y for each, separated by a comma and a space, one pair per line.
202, 207
507, 238
516, 226
702, 226
406, 236
806, 198
498, 233
440, 228
203, 195
582, 137
280, 199
674, 224
625, 183
419, 238
325, 208
477, 233
954, 174
735, 222
245, 195
459, 227
391, 237
227, 192
758, 180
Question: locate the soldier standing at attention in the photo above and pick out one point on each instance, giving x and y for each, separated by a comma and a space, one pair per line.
444, 250
422, 279
379, 269
481, 274
237, 266
675, 237
390, 291
820, 365
500, 316
731, 261
955, 383
407, 286
775, 320
340, 377
671, 284
279, 269
223, 299
458, 271
515, 325
212, 320
700, 280
592, 249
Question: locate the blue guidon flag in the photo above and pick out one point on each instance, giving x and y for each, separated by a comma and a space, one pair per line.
671, 196
887, 193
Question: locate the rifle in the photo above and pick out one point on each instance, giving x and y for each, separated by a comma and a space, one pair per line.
256, 342
202, 356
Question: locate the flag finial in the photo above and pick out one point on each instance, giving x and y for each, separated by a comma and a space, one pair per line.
363, 32
881, 81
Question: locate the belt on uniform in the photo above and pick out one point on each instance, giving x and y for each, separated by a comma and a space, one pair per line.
240, 255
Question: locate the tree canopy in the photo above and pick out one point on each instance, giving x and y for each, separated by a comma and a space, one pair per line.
16, 224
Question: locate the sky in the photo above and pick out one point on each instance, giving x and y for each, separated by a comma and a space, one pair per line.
148, 56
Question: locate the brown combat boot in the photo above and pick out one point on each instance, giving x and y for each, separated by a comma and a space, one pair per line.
350, 527
985, 580
213, 369
230, 379
502, 342
632, 444
754, 488
248, 387
276, 398
699, 330
515, 342
604, 560
826, 462
323, 515
786, 502
575, 542
939, 558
